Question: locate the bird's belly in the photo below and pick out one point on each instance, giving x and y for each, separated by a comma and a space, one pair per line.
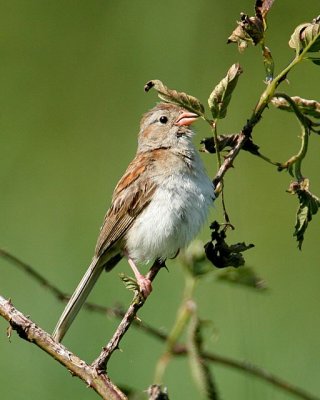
171, 220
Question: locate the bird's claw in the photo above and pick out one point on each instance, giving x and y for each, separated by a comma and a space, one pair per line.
145, 285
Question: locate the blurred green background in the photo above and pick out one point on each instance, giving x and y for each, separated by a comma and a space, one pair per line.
71, 79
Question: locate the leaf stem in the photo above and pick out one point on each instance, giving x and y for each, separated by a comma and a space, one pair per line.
272, 86
305, 131
302, 152
215, 138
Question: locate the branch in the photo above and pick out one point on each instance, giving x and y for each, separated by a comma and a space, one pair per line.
29, 331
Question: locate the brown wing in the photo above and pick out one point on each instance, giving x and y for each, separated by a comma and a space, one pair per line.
132, 194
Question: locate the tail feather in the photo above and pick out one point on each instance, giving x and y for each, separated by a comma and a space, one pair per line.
81, 293
77, 299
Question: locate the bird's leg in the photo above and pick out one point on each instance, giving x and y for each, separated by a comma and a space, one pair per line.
143, 282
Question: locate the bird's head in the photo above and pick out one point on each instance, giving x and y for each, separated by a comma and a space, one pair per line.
165, 126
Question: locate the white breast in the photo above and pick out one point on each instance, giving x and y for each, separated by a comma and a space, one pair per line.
175, 215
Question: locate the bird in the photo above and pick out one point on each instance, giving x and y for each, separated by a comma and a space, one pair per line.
158, 206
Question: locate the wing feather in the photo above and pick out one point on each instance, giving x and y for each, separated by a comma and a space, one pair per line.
132, 194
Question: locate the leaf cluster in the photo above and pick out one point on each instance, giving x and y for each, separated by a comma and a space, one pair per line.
251, 29
305, 40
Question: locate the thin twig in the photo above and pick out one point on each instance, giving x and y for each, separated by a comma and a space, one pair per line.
138, 301
251, 369
29, 270
228, 161
261, 373
100, 363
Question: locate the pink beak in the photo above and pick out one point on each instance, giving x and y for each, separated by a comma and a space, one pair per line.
186, 118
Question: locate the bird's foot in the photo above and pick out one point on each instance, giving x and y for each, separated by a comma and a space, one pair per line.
145, 285
143, 282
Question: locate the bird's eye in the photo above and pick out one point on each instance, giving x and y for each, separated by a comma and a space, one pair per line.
163, 119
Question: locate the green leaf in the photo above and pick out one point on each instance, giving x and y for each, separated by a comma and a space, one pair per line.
130, 283
172, 96
306, 35
315, 60
308, 206
220, 97
243, 276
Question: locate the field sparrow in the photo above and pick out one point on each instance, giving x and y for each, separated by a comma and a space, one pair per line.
157, 208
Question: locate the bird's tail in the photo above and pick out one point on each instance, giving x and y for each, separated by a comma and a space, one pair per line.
80, 295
